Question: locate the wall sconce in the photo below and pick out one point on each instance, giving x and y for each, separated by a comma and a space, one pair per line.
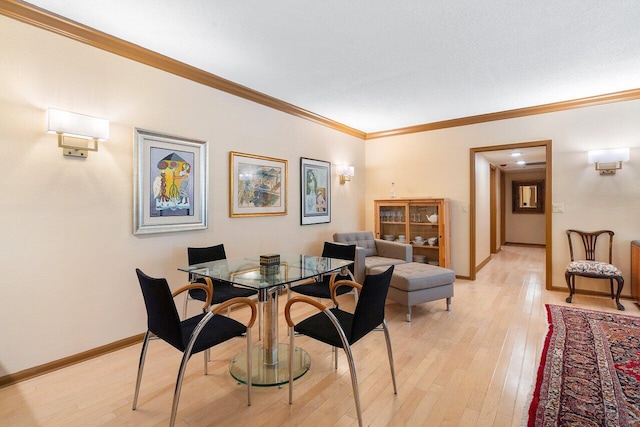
76, 130
345, 172
608, 161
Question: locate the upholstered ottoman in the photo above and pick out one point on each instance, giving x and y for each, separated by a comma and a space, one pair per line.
416, 283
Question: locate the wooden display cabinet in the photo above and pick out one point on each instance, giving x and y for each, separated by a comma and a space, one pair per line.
415, 218
635, 270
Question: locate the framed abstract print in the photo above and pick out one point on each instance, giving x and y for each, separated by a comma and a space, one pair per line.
315, 191
171, 178
257, 185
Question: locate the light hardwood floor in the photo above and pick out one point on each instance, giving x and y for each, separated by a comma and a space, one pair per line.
472, 366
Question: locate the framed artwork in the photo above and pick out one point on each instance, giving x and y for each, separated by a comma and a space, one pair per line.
257, 185
315, 191
170, 189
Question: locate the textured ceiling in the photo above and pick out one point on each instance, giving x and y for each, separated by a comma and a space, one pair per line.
533, 158
378, 65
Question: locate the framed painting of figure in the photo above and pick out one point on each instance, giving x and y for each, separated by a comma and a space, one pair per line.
315, 191
170, 183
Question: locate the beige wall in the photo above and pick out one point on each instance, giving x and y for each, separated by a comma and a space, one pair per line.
483, 209
523, 227
68, 252
436, 164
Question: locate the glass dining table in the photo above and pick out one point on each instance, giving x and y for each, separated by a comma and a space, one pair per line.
270, 359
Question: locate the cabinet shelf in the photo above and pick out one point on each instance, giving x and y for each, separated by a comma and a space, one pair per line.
414, 223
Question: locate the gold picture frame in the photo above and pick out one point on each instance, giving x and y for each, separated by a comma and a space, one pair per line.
257, 185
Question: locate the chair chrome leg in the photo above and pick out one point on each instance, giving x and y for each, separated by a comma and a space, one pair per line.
206, 362
143, 355
292, 343
354, 382
249, 367
390, 353
183, 365
176, 395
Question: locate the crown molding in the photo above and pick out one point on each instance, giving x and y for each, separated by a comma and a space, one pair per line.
46, 20
627, 95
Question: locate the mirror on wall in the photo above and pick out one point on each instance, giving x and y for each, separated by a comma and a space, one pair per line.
528, 196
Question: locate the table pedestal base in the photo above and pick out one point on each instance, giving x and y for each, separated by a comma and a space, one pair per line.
265, 375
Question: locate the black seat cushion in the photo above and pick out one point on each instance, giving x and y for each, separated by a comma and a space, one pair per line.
219, 329
221, 292
320, 289
320, 327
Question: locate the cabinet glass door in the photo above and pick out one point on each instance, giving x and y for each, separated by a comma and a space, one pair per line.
424, 232
393, 220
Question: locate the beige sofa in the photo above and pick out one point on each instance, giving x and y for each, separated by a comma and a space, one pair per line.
372, 252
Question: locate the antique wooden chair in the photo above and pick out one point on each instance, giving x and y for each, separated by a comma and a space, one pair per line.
589, 267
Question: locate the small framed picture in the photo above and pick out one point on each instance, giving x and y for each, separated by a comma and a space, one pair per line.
170, 183
315, 191
258, 185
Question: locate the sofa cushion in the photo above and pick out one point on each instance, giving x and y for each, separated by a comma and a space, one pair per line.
363, 239
378, 261
414, 276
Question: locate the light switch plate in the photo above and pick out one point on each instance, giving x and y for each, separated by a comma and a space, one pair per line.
558, 207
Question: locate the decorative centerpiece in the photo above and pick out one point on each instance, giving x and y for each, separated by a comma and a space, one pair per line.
269, 264
270, 260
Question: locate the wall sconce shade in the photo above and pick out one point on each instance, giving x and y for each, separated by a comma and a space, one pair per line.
345, 172
608, 161
76, 127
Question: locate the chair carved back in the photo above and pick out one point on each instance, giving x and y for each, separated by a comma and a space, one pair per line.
589, 240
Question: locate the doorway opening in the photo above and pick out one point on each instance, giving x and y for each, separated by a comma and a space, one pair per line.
473, 226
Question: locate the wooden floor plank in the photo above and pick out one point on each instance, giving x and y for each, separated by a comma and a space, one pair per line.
472, 366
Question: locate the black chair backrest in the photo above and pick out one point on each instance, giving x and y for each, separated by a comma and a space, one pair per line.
211, 253
369, 312
162, 316
340, 251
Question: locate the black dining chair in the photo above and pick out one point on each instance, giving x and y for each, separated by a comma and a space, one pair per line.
342, 329
320, 288
221, 291
190, 336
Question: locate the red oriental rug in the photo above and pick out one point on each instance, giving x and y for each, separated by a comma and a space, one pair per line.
589, 371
